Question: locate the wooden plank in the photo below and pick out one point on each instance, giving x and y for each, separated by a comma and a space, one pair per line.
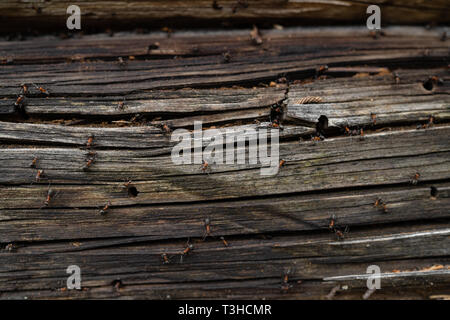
168, 102
292, 54
239, 217
272, 224
352, 101
142, 265
333, 163
127, 137
45, 15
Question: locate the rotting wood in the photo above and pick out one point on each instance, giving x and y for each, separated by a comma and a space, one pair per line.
117, 14
240, 217
382, 158
271, 224
142, 265
353, 101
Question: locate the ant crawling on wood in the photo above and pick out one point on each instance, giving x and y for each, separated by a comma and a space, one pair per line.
41, 89
19, 106
429, 124
415, 179
225, 242
165, 258
33, 163
10, 247
226, 57
373, 117
91, 157
281, 164
131, 190
285, 283
121, 62
166, 128
39, 175
105, 208
207, 228
332, 226
51, 194
205, 167
380, 203
186, 251
121, 105
317, 138
90, 142
354, 132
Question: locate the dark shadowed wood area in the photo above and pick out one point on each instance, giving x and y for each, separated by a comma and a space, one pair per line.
364, 139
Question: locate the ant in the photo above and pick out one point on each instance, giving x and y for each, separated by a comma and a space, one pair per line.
255, 36
34, 162
205, 167
334, 228
285, 285
189, 248
121, 105
121, 62
24, 88
105, 209
380, 203
373, 116
166, 128
39, 175
282, 162
340, 233
131, 190
429, 124
42, 90
225, 243
332, 222
10, 247
90, 160
320, 70
415, 179
207, 228
317, 138
354, 132
51, 194
19, 101
436, 80
226, 57
90, 141
127, 184
165, 258
396, 77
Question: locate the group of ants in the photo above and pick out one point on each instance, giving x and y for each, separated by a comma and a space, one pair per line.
275, 120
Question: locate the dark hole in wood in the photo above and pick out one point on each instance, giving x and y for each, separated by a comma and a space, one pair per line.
133, 192
433, 192
428, 85
322, 124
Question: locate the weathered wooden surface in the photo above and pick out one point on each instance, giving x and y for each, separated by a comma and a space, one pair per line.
115, 14
272, 224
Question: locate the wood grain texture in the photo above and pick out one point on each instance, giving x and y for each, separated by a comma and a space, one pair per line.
353, 101
157, 13
272, 225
